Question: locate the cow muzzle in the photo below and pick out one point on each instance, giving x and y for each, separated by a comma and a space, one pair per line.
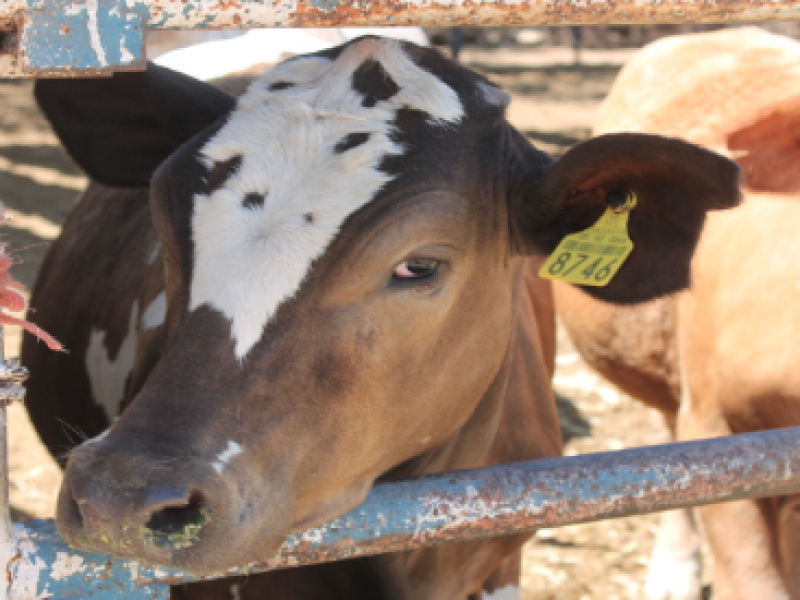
175, 512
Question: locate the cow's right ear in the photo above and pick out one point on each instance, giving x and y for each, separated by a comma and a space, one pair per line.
120, 129
675, 182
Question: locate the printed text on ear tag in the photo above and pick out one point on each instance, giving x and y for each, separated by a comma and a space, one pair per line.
592, 256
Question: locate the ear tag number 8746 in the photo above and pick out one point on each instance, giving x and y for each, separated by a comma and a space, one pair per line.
593, 256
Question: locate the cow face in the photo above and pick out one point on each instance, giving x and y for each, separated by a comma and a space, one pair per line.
343, 250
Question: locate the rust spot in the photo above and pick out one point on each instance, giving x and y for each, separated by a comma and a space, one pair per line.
503, 12
64, 29
9, 42
226, 5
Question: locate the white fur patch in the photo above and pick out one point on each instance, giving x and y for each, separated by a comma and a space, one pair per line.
248, 260
106, 377
223, 457
509, 592
676, 566
156, 312
151, 258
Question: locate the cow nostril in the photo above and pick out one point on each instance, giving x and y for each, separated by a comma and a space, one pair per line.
178, 527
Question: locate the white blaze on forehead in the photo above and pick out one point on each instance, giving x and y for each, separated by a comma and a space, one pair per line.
248, 260
223, 457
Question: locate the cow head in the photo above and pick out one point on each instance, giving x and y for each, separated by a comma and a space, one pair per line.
342, 247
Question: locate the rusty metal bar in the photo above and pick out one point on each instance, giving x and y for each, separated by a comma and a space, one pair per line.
96, 37
4, 504
178, 14
473, 504
11, 390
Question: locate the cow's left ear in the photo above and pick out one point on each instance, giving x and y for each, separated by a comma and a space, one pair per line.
119, 129
675, 183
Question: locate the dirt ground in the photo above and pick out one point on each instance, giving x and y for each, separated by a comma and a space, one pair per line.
554, 104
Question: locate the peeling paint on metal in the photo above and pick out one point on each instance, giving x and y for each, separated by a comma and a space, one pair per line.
325, 4
472, 504
94, 33
65, 38
456, 506
104, 22
125, 55
66, 565
43, 566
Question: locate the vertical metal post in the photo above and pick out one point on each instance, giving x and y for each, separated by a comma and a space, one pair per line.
11, 378
5, 541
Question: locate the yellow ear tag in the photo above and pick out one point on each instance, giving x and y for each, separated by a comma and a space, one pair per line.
593, 256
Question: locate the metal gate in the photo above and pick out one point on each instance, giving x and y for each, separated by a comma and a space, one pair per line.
95, 37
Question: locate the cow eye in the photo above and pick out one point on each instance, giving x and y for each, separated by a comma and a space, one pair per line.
416, 268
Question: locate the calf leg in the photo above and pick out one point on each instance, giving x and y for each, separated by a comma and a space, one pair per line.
746, 564
787, 509
741, 535
676, 564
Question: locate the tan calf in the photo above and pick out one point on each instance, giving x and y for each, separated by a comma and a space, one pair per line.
726, 352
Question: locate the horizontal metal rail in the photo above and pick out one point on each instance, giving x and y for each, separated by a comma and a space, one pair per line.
95, 37
457, 506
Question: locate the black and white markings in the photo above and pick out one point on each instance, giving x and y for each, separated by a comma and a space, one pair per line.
350, 141
312, 124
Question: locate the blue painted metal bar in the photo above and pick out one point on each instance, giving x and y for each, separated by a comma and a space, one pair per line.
459, 506
93, 34
43, 566
95, 37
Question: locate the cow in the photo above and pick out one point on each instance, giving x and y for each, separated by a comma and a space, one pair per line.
277, 301
722, 357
